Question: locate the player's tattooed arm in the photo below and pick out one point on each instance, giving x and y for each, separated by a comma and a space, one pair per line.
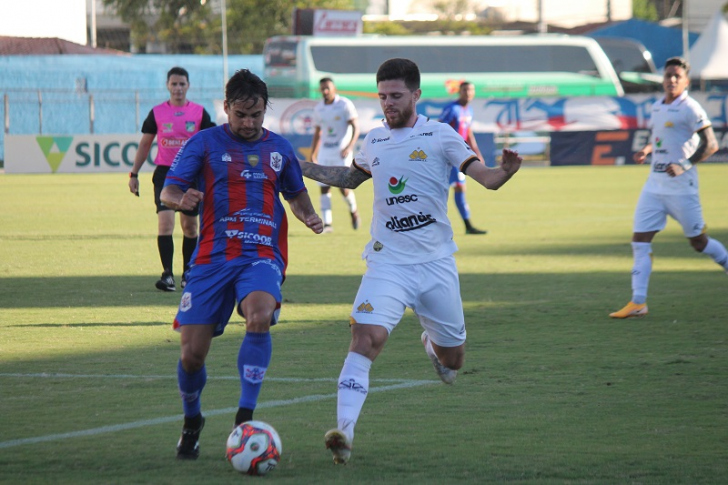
344, 177
707, 146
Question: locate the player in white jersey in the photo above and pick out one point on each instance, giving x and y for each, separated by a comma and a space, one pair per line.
681, 137
335, 134
410, 260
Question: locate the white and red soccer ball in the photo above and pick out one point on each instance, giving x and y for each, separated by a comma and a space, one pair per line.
254, 447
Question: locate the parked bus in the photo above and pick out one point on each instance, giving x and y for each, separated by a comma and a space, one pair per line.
499, 66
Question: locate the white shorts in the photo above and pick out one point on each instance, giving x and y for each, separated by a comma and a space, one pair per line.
331, 157
431, 290
652, 211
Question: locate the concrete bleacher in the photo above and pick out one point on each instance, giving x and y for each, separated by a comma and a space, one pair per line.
123, 89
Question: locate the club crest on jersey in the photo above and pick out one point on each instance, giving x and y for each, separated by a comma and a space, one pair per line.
276, 161
190, 126
365, 307
253, 160
418, 155
226, 157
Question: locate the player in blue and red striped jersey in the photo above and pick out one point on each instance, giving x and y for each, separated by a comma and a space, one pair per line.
459, 115
239, 169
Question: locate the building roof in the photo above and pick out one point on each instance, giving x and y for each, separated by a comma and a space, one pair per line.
31, 46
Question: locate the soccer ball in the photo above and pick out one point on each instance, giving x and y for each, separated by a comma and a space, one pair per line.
254, 447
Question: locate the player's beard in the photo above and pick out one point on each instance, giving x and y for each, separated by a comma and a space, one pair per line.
400, 118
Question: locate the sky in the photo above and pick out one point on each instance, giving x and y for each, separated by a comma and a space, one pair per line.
65, 19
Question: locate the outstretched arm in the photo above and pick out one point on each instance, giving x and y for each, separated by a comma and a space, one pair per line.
344, 177
303, 210
494, 178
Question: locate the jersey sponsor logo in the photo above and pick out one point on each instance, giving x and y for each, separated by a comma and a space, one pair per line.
365, 307
661, 167
352, 385
186, 301
397, 186
410, 223
190, 126
402, 199
249, 237
226, 157
418, 156
249, 174
173, 142
425, 134
377, 246
254, 374
658, 142
379, 140
331, 144
179, 113
167, 127
276, 161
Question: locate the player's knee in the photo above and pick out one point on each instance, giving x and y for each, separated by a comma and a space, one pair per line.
192, 361
258, 321
699, 243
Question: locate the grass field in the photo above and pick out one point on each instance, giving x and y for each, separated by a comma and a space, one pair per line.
553, 391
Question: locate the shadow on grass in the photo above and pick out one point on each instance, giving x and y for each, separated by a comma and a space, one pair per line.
518, 288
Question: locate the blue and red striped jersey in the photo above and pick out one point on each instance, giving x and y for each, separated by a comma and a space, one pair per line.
241, 213
458, 116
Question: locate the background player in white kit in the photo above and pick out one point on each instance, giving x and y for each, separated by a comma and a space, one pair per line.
681, 136
336, 132
409, 259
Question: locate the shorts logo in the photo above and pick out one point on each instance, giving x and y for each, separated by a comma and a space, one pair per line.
254, 374
186, 302
190, 126
418, 155
276, 161
253, 160
365, 307
397, 186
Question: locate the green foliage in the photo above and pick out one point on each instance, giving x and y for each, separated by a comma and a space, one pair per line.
443, 26
645, 10
192, 26
552, 391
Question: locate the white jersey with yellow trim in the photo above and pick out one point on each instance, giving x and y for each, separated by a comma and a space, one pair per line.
410, 170
674, 139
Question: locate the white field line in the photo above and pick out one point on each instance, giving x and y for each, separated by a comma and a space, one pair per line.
397, 384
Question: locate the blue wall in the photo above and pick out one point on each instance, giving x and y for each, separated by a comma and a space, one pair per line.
116, 82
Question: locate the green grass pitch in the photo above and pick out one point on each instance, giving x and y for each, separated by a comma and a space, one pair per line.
552, 391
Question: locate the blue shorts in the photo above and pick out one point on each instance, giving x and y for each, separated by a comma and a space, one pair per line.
214, 290
456, 177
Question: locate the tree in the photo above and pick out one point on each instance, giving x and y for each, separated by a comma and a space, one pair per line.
195, 26
645, 10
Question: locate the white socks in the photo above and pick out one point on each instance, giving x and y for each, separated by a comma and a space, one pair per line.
641, 271
717, 251
351, 201
326, 208
353, 390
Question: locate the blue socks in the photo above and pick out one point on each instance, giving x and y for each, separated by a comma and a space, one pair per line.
462, 205
253, 359
190, 388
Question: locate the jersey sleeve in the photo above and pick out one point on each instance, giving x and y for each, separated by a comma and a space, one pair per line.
697, 117
457, 153
351, 112
291, 178
187, 163
360, 159
206, 120
149, 127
